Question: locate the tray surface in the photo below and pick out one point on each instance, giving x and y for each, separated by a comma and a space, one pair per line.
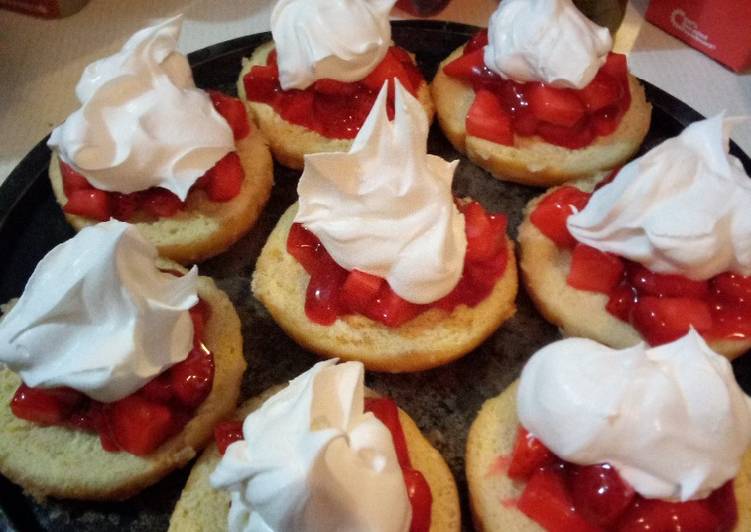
442, 401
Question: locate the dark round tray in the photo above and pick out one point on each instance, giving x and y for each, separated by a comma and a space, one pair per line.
442, 401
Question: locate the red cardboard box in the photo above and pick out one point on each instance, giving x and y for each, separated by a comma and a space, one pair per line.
44, 8
719, 28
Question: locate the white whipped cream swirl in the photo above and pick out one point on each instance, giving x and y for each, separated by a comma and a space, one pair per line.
319, 39
545, 40
671, 419
683, 208
142, 121
312, 460
98, 316
386, 207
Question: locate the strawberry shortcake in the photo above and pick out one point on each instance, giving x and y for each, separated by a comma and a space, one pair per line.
378, 261
666, 245
539, 98
312, 87
116, 365
593, 439
146, 146
323, 453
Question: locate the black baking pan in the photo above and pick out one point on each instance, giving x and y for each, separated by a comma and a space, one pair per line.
442, 401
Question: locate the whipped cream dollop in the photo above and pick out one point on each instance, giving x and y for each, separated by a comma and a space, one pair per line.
98, 316
545, 40
671, 419
318, 39
683, 208
142, 121
312, 460
386, 207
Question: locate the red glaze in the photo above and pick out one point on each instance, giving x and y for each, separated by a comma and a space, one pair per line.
226, 433
221, 183
418, 489
332, 108
565, 497
140, 422
565, 117
529, 454
661, 307
332, 291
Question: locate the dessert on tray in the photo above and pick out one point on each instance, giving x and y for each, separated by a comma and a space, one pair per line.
312, 87
379, 262
320, 454
117, 366
539, 98
187, 167
595, 439
664, 246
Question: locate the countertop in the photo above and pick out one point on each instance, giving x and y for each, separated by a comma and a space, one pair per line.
41, 60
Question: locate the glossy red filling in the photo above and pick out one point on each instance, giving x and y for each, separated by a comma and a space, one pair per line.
333, 291
141, 422
565, 497
661, 307
334, 109
418, 489
221, 183
565, 117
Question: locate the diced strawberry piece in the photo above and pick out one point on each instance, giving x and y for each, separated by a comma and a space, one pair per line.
160, 202
233, 111
322, 303
478, 41
732, 288
470, 67
334, 87
200, 314
87, 416
401, 55
193, 378
593, 270
72, 180
546, 501
525, 123
89, 203
359, 289
158, 389
574, 137
45, 406
656, 515
484, 239
488, 120
551, 214
262, 83
730, 321
226, 433
420, 498
387, 412
599, 493
601, 92
656, 284
528, 456
622, 300
123, 205
662, 320
225, 179
390, 67
560, 107
139, 426
616, 66
390, 309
